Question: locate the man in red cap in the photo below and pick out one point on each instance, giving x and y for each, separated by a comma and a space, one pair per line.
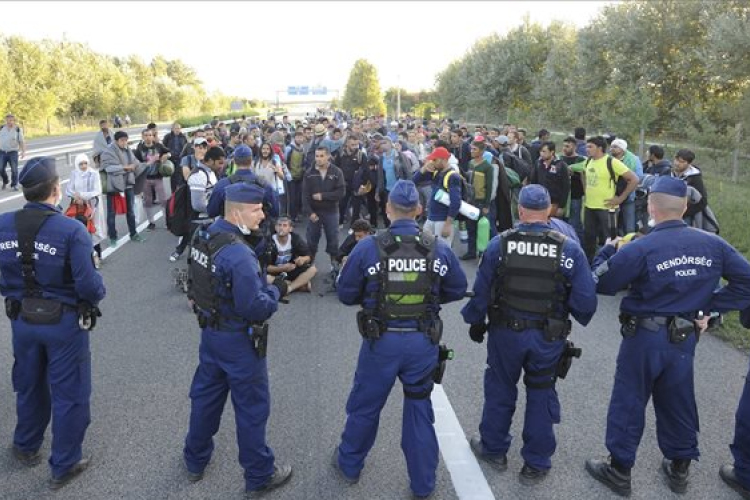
436, 169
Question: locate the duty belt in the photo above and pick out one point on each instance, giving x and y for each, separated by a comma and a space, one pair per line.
653, 323
519, 325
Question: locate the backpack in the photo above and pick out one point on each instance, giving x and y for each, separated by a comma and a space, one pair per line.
18, 133
519, 165
467, 189
620, 183
180, 209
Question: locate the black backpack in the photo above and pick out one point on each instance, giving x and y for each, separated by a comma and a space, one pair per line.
518, 165
180, 209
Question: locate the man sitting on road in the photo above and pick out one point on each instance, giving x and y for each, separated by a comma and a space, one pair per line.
290, 257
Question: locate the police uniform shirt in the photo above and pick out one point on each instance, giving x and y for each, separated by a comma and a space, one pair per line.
62, 256
674, 270
354, 287
574, 266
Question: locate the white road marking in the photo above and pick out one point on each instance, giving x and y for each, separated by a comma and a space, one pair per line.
125, 239
466, 475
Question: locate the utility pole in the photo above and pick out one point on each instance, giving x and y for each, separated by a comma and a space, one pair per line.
398, 98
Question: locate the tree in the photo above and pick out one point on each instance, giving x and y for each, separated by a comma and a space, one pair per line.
362, 92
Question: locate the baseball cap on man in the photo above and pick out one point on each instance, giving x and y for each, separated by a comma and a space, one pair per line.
534, 197
242, 192
502, 139
404, 194
439, 154
320, 129
620, 143
672, 186
241, 152
200, 141
38, 170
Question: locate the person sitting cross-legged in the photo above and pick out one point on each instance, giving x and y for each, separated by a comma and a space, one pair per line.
290, 255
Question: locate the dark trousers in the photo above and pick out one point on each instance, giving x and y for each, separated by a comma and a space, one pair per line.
328, 222
344, 205
383, 201
9, 158
130, 215
52, 379
295, 198
741, 445
595, 230
372, 208
185, 241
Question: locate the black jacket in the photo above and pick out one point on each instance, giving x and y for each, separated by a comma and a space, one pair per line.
332, 187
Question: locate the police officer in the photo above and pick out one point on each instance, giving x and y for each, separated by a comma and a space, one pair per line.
233, 303
672, 273
400, 336
51, 289
737, 476
530, 279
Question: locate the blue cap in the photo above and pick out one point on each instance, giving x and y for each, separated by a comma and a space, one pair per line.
534, 197
37, 170
404, 194
670, 185
243, 192
241, 152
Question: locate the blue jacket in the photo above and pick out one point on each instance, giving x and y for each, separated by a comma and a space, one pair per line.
581, 301
218, 195
64, 268
438, 211
248, 298
355, 288
674, 271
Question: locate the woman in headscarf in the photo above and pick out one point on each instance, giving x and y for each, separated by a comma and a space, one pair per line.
85, 188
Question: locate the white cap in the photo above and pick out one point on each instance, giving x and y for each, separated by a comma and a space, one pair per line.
620, 143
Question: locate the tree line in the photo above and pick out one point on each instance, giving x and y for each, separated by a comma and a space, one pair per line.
43, 79
676, 66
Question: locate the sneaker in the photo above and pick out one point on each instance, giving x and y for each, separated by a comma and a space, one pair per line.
14, 188
58, 482
5, 186
339, 472
175, 256
281, 475
194, 477
151, 226
615, 478
113, 242
498, 462
727, 474
677, 472
27, 458
137, 238
97, 261
530, 476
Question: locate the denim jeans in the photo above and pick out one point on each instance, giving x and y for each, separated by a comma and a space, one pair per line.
295, 198
9, 158
328, 222
130, 215
627, 210
576, 211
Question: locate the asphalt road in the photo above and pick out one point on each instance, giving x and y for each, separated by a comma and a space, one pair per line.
146, 349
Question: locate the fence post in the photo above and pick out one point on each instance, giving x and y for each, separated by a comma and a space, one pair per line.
49, 128
642, 142
736, 152
70, 122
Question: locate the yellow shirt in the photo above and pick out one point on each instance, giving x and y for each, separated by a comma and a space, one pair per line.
599, 186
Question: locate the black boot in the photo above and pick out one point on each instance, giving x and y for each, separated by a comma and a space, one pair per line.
281, 474
727, 474
610, 474
677, 472
58, 482
498, 462
530, 476
27, 458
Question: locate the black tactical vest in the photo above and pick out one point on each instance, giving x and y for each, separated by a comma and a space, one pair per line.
529, 277
202, 280
406, 276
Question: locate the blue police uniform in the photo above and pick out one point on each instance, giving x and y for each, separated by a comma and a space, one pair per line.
740, 447
52, 368
672, 272
218, 195
229, 362
509, 352
406, 353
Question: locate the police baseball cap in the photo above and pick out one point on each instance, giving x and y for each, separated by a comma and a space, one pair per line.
38, 170
404, 194
534, 197
242, 192
243, 152
672, 186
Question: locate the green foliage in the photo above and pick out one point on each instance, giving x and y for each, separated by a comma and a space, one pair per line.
52, 82
362, 93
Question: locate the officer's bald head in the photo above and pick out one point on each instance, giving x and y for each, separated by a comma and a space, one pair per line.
666, 207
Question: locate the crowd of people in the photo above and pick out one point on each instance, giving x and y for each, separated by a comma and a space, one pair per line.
562, 228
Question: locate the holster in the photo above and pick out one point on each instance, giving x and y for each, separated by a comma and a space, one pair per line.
12, 308
87, 316
557, 329
259, 338
679, 329
434, 329
38, 311
494, 315
628, 325
444, 354
368, 325
569, 352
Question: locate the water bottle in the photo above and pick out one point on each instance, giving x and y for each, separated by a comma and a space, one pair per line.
463, 233
483, 234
